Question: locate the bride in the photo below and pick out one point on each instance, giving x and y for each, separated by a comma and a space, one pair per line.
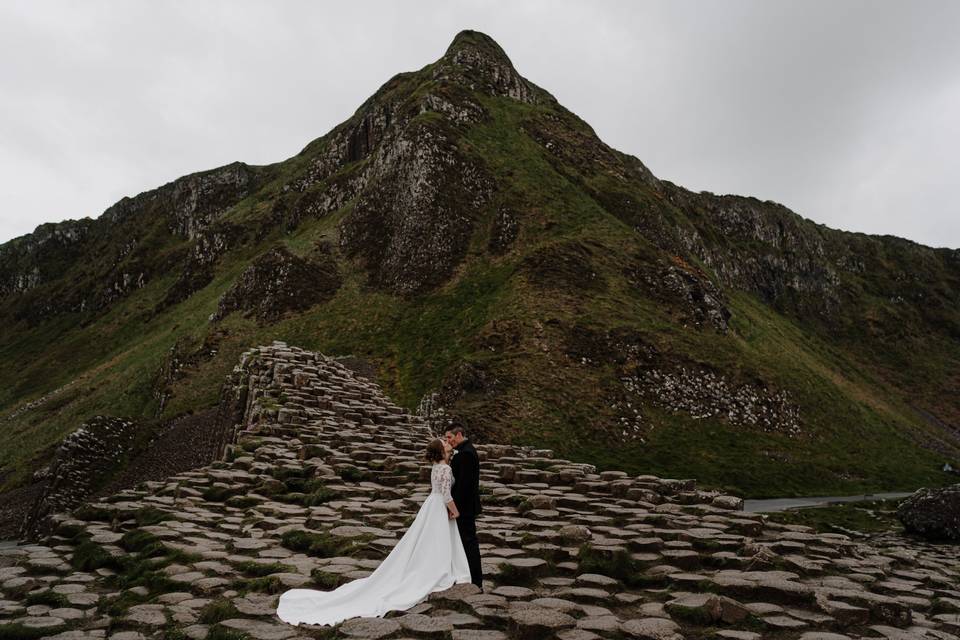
429, 557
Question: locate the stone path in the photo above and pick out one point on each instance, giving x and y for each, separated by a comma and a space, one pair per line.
326, 473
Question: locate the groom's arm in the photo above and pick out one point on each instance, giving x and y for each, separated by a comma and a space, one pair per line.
456, 466
475, 481
471, 475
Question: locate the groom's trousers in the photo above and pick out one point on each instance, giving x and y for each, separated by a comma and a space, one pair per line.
467, 525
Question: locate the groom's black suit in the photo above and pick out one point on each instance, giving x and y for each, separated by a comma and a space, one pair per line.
466, 495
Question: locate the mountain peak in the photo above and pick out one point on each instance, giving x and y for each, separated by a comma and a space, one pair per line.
481, 63
477, 43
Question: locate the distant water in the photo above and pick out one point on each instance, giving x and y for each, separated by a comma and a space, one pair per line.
784, 504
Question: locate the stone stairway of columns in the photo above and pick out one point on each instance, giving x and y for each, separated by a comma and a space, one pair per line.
324, 473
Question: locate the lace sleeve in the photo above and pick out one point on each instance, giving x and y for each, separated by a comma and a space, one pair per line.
446, 482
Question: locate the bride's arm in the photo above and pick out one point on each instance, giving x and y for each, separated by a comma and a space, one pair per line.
446, 482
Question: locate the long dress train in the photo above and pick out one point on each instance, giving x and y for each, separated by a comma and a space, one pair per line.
429, 557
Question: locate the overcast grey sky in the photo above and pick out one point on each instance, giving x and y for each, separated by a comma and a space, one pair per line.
847, 112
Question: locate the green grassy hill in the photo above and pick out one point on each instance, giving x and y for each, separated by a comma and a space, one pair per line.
471, 241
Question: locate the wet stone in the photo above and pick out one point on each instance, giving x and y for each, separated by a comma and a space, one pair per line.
75, 634
456, 619
604, 624
42, 622
651, 629
478, 634
627, 598
188, 577
255, 604
518, 593
559, 604
152, 615
455, 593
424, 625
174, 597
369, 628
207, 585
577, 634
783, 622
259, 630
586, 594
66, 613
595, 580
537, 622
68, 588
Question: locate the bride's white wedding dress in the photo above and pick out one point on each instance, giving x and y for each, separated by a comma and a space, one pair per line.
429, 557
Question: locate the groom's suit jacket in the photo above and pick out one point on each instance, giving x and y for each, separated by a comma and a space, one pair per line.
466, 474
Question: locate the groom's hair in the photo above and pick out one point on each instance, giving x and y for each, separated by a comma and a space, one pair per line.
457, 431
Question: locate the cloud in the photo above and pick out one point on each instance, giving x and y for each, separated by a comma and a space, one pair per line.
843, 111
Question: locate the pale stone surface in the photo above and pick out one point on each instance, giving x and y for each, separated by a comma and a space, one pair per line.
369, 628
651, 629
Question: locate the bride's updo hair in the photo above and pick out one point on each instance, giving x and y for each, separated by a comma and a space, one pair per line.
435, 451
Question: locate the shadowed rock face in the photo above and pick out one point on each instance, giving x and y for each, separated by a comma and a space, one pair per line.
32, 259
697, 300
197, 269
279, 282
85, 459
190, 204
122, 250
933, 513
410, 227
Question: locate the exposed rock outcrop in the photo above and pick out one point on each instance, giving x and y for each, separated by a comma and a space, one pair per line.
650, 376
82, 462
209, 246
474, 60
190, 204
706, 394
278, 282
121, 251
933, 513
699, 301
30, 260
410, 227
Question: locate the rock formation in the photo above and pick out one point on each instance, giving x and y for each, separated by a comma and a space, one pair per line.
933, 513
278, 282
323, 474
84, 460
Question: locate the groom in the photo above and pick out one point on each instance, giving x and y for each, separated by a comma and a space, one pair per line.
466, 495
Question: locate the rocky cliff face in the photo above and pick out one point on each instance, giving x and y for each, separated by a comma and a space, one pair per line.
279, 282
481, 249
85, 266
83, 460
188, 205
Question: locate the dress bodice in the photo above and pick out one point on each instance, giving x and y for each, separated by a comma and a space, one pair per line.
441, 480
